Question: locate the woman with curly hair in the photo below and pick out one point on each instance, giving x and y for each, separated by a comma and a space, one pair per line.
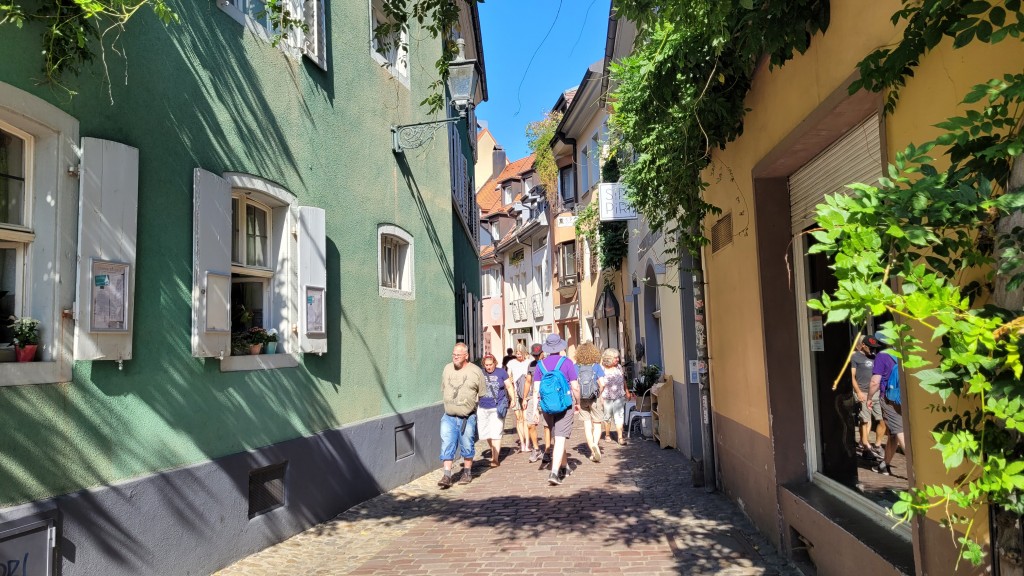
591, 379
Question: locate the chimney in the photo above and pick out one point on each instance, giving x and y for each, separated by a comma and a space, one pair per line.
499, 162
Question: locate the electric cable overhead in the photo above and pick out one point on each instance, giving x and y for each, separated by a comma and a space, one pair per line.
519, 91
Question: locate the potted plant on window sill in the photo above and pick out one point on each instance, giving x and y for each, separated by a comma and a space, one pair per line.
271, 347
26, 338
256, 337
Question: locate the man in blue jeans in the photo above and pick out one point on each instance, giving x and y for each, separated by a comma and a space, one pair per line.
462, 384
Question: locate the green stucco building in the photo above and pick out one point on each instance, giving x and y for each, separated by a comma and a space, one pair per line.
201, 185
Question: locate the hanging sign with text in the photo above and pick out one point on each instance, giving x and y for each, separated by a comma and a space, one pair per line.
613, 203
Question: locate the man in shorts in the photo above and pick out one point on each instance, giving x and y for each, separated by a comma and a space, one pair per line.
861, 364
462, 385
892, 411
560, 424
532, 412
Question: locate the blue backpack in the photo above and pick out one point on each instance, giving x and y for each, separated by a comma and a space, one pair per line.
555, 394
891, 390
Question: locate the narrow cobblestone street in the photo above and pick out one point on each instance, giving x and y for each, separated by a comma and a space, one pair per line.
634, 513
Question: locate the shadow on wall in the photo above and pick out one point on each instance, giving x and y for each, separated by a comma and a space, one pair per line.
205, 104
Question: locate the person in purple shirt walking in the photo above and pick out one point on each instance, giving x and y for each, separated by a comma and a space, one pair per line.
559, 423
892, 411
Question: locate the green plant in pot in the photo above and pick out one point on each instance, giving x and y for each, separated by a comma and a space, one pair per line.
648, 377
255, 338
271, 343
26, 338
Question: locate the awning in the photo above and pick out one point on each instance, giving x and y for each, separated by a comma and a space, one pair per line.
607, 305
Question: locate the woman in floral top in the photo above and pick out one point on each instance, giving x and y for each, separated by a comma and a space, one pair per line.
615, 393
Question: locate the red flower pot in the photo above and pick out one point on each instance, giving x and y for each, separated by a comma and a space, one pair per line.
26, 353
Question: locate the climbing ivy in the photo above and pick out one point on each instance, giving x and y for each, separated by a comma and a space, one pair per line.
72, 29
681, 93
538, 138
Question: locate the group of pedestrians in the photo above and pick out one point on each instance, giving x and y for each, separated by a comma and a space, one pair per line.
548, 389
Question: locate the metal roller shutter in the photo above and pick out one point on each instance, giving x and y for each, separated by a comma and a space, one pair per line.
856, 157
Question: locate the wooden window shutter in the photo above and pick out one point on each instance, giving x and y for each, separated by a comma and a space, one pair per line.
108, 217
211, 266
315, 44
312, 223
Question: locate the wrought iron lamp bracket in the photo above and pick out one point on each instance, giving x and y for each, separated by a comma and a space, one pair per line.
416, 135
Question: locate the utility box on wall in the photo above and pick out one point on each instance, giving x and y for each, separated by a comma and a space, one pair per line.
27, 545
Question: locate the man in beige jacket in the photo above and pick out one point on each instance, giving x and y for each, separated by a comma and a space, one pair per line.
462, 384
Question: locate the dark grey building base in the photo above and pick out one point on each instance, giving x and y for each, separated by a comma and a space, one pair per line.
198, 519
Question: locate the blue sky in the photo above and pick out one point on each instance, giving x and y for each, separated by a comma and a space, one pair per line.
512, 31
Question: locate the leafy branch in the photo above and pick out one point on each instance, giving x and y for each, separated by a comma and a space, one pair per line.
932, 228
73, 27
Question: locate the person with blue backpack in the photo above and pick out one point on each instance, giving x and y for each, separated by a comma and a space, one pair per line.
558, 395
885, 380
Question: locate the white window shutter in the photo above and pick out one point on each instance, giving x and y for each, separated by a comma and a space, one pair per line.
211, 266
312, 224
315, 44
108, 216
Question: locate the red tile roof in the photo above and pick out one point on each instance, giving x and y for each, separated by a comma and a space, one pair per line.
516, 168
488, 198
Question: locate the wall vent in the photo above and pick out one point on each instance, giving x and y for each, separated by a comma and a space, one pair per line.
405, 441
267, 488
721, 233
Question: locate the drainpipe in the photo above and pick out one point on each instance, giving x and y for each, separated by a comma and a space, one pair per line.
704, 383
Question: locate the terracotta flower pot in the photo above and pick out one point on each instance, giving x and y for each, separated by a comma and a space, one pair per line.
26, 353
255, 349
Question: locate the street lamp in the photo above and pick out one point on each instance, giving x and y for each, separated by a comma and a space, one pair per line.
462, 80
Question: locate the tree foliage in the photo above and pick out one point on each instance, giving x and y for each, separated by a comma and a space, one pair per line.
906, 245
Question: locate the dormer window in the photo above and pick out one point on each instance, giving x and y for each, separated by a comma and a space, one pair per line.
506, 194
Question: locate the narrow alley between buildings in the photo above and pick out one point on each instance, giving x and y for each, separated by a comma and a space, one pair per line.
635, 512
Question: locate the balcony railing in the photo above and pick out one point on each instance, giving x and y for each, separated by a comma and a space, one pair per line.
568, 311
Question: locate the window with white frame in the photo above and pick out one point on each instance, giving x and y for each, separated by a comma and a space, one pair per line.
252, 273
269, 272
492, 283
309, 38
567, 260
15, 235
584, 164
391, 49
395, 258
506, 194
38, 232
566, 190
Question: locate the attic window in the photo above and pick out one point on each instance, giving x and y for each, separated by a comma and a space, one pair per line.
506, 194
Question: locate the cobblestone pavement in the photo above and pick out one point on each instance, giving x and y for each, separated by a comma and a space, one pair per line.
636, 512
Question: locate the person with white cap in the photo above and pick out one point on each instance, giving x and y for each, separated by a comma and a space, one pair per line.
560, 422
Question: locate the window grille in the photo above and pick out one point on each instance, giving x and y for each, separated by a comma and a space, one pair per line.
721, 233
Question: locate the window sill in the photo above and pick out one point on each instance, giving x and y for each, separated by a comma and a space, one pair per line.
396, 293
383, 63
258, 362
22, 373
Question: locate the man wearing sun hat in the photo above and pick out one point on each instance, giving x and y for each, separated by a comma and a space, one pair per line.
560, 424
